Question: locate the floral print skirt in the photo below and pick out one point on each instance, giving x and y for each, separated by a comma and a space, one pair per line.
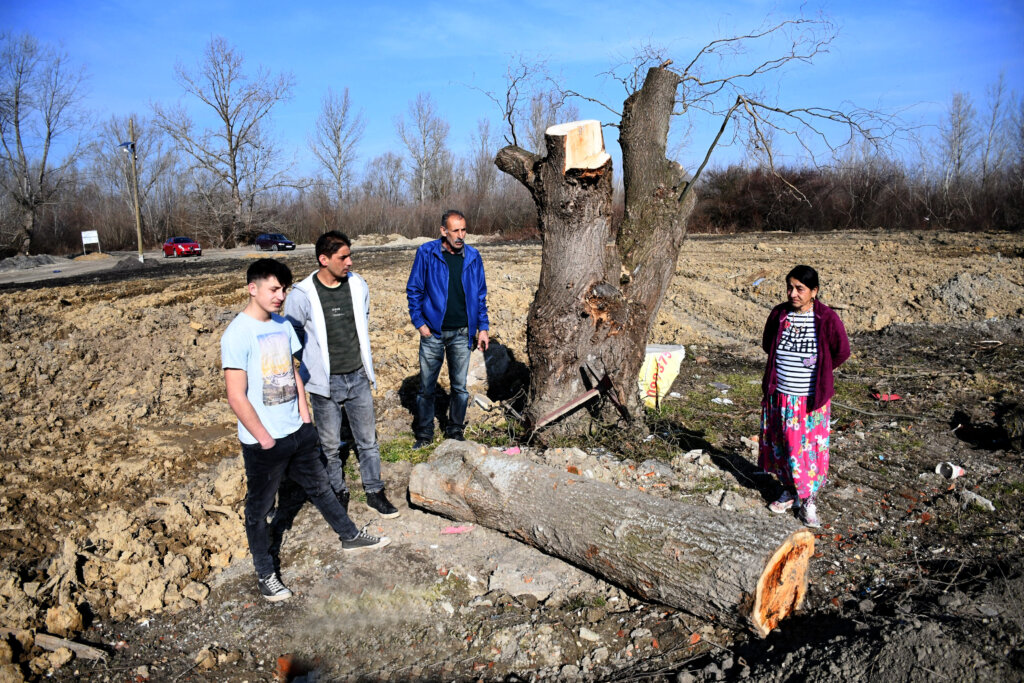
794, 442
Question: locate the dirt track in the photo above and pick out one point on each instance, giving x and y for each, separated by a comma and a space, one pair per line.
120, 500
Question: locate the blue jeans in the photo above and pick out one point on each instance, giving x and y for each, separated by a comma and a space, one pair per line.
299, 455
455, 345
350, 392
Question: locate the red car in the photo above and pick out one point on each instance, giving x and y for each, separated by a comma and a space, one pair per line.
182, 246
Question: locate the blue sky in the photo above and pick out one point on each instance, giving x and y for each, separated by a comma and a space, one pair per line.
895, 56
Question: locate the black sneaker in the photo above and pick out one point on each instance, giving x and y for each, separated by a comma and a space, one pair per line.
343, 498
422, 443
364, 541
272, 589
379, 502
458, 436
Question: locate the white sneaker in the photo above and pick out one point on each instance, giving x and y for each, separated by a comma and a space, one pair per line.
809, 514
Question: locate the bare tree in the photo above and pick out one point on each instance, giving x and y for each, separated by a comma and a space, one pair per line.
532, 102
599, 291
482, 172
426, 139
384, 177
994, 146
40, 94
112, 166
1016, 136
238, 153
547, 107
959, 140
334, 141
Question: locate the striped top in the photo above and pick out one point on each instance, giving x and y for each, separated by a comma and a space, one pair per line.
797, 355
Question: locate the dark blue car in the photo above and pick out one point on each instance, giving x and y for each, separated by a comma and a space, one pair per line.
274, 241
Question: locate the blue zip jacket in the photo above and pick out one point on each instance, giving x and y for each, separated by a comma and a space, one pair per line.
427, 289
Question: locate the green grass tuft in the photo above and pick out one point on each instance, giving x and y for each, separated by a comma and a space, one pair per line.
400, 448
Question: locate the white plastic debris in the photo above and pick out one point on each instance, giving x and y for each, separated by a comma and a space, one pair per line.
949, 470
968, 498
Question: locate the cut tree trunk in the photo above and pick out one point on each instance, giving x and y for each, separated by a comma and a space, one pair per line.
598, 297
726, 566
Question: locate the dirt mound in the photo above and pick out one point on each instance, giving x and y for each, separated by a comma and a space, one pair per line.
23, 262
969, 293
94, 256
392, 240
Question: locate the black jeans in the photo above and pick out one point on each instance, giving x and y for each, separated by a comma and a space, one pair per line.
299, 454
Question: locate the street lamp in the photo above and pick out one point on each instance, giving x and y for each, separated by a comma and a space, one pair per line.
129, 148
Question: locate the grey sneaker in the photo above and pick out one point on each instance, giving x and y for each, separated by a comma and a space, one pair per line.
272, 589
364, 541
380, 503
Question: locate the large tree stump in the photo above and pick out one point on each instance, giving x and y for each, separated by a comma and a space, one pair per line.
600, 292
726, 566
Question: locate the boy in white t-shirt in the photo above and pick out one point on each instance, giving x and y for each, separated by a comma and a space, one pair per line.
274, 424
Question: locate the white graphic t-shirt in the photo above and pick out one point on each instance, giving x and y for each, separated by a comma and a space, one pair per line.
264, 350
796, 356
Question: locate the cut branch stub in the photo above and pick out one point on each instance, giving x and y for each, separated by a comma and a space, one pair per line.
578, 144
732, 567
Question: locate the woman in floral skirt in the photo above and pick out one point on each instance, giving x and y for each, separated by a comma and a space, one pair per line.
805, 341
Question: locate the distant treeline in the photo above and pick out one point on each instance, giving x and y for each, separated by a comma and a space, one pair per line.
869, 195
862, 196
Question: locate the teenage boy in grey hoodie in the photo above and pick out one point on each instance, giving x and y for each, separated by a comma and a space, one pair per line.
330, 311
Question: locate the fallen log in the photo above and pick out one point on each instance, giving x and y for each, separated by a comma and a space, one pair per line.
726, 566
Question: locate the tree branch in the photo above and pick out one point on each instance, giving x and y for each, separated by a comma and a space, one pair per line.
519, 164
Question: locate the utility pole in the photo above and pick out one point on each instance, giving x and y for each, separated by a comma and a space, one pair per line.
135, 187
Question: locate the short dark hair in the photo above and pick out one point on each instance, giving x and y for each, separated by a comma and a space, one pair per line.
448, 214
263, 268
805, 274
330, 242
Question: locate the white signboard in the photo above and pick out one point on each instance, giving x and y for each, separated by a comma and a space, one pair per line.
90, 237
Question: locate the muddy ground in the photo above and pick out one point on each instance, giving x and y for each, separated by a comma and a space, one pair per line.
120, 501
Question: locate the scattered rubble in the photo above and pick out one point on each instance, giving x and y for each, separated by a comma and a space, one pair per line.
120, 506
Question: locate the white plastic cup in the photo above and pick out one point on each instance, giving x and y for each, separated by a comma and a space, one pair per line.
949, 470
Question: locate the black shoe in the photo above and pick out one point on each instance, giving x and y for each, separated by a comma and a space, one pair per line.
458, 436
364, 541
343, 498
272, 589
379, 502
422, 443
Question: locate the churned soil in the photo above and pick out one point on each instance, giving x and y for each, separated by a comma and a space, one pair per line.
122, 488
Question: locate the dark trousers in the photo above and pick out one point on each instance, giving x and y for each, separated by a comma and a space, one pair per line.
299, 455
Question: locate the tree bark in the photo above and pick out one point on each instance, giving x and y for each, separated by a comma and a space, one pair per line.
28, 230
597, 299
724, 566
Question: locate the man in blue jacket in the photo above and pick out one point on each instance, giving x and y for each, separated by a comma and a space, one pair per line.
447, 296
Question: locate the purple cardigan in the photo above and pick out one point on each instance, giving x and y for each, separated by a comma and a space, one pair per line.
833, 350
